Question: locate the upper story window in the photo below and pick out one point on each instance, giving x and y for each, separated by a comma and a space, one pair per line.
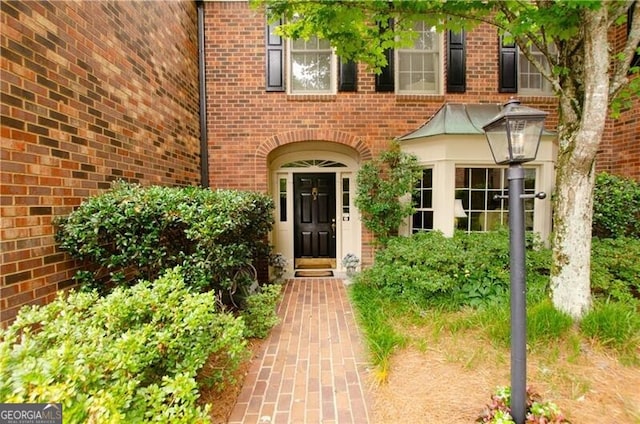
311, 67
419, 66
517, 74
530, 79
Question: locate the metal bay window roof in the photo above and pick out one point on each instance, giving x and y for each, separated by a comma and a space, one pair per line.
458, 118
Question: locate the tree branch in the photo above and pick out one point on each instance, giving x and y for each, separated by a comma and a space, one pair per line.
620, 76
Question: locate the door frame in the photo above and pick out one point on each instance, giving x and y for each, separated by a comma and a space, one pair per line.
281, 169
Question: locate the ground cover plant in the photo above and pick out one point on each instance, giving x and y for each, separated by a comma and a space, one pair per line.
132, 232
448, 298
130, 356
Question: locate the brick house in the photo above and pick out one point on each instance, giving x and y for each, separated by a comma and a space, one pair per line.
98, 91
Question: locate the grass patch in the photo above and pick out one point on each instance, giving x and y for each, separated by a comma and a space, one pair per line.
615, 325
374, 312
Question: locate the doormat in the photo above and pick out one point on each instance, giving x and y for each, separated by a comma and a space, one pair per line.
314, 273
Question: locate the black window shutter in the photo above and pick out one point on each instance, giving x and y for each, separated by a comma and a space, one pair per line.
274, 59
348, 75
385, 79
508, 67
636, 57
456, 62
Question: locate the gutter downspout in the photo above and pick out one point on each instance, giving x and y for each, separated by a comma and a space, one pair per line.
204, 142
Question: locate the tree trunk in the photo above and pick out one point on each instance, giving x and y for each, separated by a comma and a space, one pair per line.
580, 129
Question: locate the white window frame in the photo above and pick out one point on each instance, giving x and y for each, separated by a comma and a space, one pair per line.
333, 71
490, 219
419, 209
532, 71
439, 66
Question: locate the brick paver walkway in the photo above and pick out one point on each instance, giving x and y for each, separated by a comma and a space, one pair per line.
312, 366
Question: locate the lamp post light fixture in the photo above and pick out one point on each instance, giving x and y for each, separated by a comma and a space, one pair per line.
514, 136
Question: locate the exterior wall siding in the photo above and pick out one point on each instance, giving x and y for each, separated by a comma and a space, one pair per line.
92, 92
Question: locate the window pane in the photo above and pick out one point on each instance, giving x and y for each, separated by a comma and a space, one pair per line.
477, 187
310, 65
283, 199
345, 199
311, 71
530, 79
418, 66
422, 199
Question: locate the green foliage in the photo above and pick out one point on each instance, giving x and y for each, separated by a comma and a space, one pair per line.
614, 324
497, 412
615, 268
142, 231
545, 323
382, 183
373, 312
131, 356
616, 207
465, 270
259, 313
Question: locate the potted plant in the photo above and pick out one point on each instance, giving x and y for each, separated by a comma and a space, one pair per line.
350, 263
279, 264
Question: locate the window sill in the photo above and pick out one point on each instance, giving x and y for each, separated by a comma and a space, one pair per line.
312, 97
416, 98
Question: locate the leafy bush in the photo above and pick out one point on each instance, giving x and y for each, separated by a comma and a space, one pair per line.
615, 268
614, 324
498, 411
382, 183
467, 269
131, 356
616, 207
145, 230
259, 313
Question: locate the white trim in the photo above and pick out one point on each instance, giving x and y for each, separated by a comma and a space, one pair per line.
348, 233
333, 75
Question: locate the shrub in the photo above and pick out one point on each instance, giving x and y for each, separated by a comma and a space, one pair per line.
260, 312
382, 183
467, 269
131, 356
145, 230
615, 268
614, 324
616, 207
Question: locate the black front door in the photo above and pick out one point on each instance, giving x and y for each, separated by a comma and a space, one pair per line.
315, 215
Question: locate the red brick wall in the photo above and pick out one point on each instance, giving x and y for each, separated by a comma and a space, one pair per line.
91, 92
620, 149
620, 152
243, 118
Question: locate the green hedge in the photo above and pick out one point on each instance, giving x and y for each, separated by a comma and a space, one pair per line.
467, 269
131, 356
616, 207
615, 268
131, 231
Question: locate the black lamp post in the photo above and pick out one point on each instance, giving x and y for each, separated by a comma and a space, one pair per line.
514, 136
